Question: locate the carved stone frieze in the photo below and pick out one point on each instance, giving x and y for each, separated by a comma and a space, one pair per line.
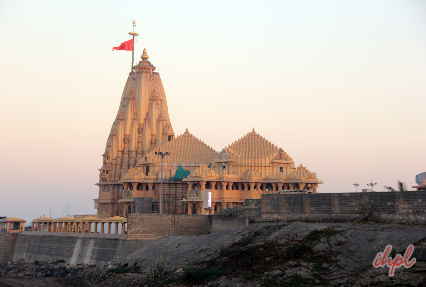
223, 154
193, 193
203, 171
127, 193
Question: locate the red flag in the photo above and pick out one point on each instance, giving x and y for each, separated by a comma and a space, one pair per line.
127, 46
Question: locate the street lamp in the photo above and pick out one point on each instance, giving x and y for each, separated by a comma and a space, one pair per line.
356, 186
160, 153
372, 185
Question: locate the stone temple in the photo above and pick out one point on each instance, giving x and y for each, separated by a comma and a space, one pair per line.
130, 177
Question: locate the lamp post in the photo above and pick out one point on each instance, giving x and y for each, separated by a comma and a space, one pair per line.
160, 153
372, 185
356, 186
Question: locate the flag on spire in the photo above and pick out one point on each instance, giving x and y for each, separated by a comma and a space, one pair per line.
127, 46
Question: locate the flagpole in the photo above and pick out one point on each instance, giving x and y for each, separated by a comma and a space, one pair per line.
133, 50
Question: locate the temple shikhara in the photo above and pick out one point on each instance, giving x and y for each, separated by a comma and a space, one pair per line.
130, 177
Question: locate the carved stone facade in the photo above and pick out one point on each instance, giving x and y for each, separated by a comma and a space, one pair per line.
131, 168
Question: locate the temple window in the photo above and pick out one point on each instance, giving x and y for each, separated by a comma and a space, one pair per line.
107, 172
169, 138
281, 169
147, 170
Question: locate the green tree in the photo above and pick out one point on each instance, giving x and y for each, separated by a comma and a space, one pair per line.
401, 186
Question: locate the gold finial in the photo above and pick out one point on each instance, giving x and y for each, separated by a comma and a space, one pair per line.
186, 130
144, 55
253, 130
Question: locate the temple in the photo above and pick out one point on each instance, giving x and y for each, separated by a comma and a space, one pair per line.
130, 177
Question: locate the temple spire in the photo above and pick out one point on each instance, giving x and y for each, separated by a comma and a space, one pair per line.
144, 55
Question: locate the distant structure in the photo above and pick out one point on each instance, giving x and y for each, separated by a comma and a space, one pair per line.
129, 179
12, 224
420, 178
421, 181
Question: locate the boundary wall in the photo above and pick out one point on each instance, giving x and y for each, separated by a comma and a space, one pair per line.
389, 207
142, 226
7, 246
73, 248
220, 224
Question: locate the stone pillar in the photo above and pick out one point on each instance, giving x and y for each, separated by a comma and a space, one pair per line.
202, 185
240, 186
102, 227
109, 227
245, 186
280, 186
189, 185
252, 184
150, 190
212, 210
213, 184
7, 226
125, 205
42, 226
203, 211
190, 204
116, 228
223, 185
315, 188
301, 185
291, 186
32, 226
96, 226
135, 186
123, 228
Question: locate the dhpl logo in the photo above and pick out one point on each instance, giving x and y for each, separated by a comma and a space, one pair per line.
383, 260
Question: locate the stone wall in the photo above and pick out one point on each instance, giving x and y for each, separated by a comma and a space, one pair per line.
7, 243
153, 226
391, 207
72, 248
220, 224
143, 204
252, 208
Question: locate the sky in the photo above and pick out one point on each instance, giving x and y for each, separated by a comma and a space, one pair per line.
339, 85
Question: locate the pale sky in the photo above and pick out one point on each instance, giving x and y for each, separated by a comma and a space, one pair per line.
339, 85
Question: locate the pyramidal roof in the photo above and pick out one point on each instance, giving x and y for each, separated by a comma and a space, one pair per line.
185, 149
252, 146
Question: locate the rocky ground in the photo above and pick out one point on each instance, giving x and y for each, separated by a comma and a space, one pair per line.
266, 254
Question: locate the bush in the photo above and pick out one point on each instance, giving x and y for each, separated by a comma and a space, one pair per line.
228, 212
158, 270
366, 209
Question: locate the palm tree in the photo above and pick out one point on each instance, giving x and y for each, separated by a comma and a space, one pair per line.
400, 186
